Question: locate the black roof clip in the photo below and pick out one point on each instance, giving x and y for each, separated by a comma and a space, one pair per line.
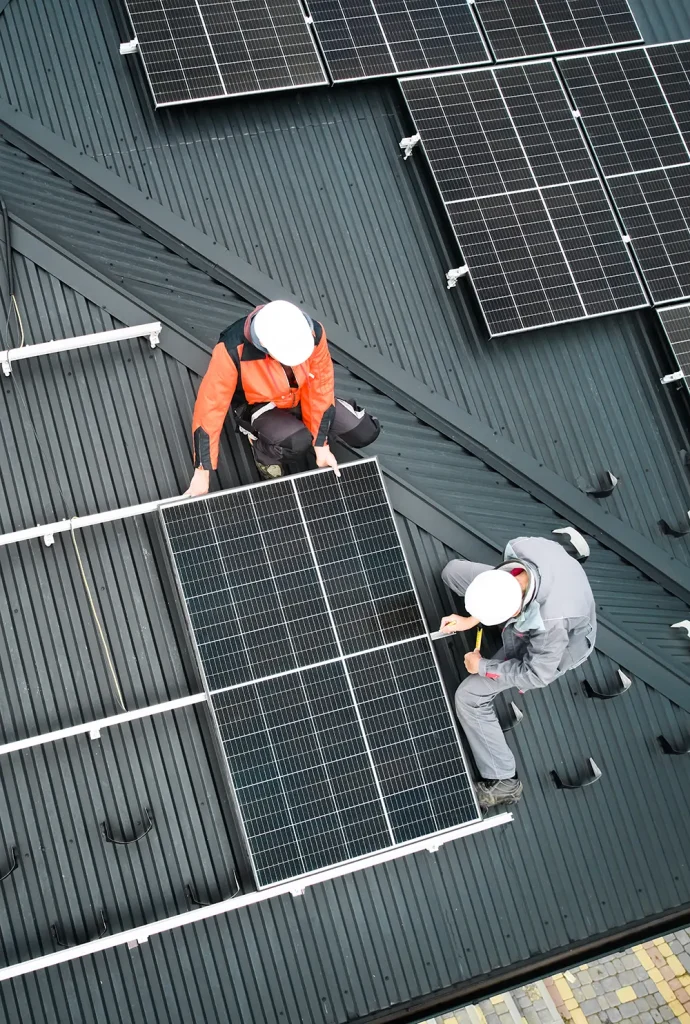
672, 531
66, 945
624, 681
516, 716
109, 838
13, 866
668, 748
193, 897
606, 487
592, 775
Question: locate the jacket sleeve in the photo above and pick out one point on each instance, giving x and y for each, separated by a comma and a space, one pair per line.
539, 666
318, 394
211, 408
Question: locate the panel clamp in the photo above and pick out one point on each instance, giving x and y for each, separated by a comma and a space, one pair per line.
453, 276
408, 144
131, 47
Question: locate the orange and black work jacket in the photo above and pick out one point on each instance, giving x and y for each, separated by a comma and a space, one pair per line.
239, 370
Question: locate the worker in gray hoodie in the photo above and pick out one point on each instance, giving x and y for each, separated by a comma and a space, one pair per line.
544, 597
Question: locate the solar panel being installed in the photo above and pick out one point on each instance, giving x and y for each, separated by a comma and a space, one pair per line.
636, 137
208, 49
676, 323
533, 221
333, 719
534, 28
368, 38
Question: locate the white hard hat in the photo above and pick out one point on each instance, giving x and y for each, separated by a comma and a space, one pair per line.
494, 596
285, 332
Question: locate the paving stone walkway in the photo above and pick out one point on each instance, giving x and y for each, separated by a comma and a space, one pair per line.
648, 984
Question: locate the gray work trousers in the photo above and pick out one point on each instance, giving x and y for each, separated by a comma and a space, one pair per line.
474, 697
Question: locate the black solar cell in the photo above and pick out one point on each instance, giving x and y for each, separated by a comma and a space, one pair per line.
671, 63
367, 38
335, 750
529, 28
206, 49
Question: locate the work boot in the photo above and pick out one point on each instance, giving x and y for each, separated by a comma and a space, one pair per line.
504, 791
269, 472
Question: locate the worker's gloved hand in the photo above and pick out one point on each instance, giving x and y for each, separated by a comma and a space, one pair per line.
457, 623
325, 458
199, 484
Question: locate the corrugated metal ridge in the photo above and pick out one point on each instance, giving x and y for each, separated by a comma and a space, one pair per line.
428, 406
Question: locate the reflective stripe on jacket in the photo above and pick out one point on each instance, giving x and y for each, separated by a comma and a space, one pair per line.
238, 368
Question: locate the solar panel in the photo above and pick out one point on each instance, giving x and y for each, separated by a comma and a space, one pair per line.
624, 110
368, 38
533, 28
636, 137
655, 207
671, 62
333, 719
676, 323
208, 49
535, 226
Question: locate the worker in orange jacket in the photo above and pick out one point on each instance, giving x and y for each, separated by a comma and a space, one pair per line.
274, 368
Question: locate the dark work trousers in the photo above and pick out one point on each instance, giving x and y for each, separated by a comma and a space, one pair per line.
280, 436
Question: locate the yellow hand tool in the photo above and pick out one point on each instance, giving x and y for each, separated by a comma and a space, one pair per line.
478, 641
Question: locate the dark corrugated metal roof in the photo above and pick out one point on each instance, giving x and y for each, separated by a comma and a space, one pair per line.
312, 189
403, 932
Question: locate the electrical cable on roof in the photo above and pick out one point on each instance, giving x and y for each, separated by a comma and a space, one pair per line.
87, 588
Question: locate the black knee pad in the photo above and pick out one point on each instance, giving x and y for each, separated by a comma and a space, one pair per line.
364, 433
297, 443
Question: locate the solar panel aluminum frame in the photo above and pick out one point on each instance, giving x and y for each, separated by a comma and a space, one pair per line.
396, 74
596, 176
555, 52
232, 95
431, 842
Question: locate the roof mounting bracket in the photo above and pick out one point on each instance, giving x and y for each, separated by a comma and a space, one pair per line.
685, 624
577, 541
66, 945
516, 716
625, 684
592, 775
408, 144
155, 336
132, 46
668, 748
193, 897
453, 276
606, 488
127, 842
671, 377
671, 531
133, 943
13, 866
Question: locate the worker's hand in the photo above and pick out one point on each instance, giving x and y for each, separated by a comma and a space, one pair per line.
457, 623
199, 484
325, 458
472, 659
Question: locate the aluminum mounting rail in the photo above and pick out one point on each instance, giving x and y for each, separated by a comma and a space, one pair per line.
13, 355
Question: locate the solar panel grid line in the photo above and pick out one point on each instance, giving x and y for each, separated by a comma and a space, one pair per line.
671, 63
517, 31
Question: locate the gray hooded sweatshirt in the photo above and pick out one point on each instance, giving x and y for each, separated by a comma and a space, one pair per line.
556, 629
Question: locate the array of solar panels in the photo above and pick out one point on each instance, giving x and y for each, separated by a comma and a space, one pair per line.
207, 49
530, 213
334, 722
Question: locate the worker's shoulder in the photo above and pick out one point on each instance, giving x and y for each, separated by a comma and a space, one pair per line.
232, 336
